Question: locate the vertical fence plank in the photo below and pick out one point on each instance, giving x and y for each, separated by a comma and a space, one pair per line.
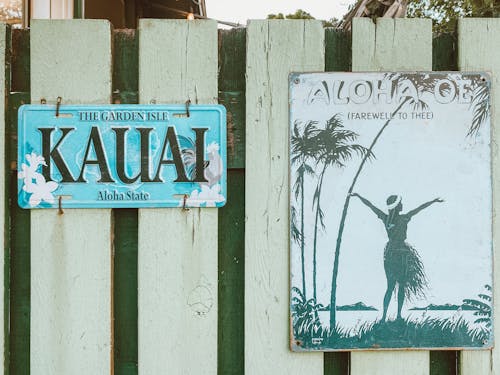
231, 340
478, 41
4, 259
444, 52
338, 50
177, 249
391, 44
19, 260
444, 57
274, 49
125, 86
71, 253
338, 54
232, 59
19, 220
444, 362
125, 291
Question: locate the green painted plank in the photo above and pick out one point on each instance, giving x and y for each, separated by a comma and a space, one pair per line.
336, 363
444, 362
18, 347
125, 61
337, 59
125, 291
444, 57
231, 341
231, 267
444, 52
232, 58
78, 9
19, 337
20, 60
125, 84
6, 201
337, 50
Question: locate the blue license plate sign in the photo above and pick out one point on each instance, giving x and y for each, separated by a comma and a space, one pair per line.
122, 156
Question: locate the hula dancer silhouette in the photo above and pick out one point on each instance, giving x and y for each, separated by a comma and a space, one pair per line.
402, 263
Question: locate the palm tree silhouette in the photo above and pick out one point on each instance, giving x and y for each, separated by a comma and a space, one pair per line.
302, 150
333, 148
422, 83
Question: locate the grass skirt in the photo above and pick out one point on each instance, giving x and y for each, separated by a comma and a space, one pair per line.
403, 265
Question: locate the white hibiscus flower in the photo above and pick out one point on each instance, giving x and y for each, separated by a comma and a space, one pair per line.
34, 182
40, 191
206, 197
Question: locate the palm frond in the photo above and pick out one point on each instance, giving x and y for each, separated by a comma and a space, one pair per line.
316, 195
476, 304
308, 170
301, 144
299, 181
299, 293
484, 320
321, 216
481, 104
484, 310
485, 297
419, 105
294, 230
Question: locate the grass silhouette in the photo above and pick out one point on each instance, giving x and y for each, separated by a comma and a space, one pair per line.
400, 333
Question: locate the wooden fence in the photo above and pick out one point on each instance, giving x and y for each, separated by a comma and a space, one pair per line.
110, 291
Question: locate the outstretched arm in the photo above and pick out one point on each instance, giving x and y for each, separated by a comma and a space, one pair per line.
369, 204
425, 205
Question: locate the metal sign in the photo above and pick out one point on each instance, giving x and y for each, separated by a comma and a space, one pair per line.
122, 156
391, 211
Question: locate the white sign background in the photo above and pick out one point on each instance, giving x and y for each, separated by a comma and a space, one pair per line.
420, 160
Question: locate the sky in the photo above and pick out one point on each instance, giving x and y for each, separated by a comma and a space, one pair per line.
239, 11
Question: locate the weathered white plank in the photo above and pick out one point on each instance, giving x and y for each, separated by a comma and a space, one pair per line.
274, 49
4, 33
397, 45
391, 44
390, 363
476, 362
71, 257
478, 41
177, 249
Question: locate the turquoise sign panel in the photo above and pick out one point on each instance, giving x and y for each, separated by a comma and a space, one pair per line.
121, 156
391, 211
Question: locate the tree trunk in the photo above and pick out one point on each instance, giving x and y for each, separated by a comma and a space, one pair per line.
320, 183
302, 239
333, 295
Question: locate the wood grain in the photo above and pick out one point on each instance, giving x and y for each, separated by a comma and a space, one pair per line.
478, 51
4, 33
71, 253
274, 49
231, 340
391, 45
177, 265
